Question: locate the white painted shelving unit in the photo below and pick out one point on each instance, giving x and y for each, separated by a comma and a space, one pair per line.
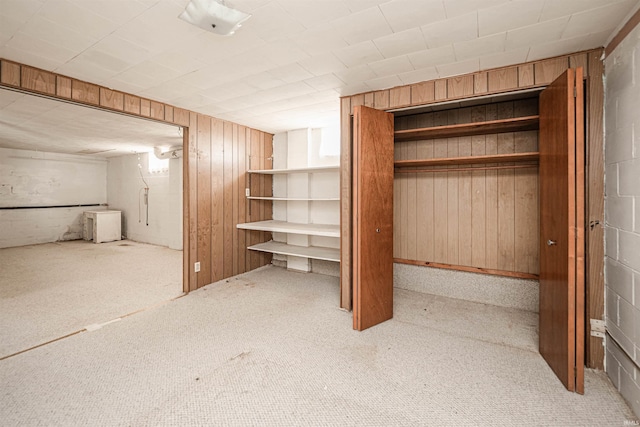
305, 194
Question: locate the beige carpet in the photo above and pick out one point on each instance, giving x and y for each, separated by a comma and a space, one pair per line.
271, 348
54, 289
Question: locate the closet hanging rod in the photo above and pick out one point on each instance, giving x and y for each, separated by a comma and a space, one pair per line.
483, 168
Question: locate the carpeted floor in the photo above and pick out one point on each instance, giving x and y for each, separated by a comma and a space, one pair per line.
54, 289
271, 347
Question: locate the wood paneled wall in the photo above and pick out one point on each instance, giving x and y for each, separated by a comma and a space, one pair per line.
496, 81
217, 155
487, 219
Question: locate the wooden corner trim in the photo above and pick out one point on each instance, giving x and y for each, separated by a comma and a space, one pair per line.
623, 33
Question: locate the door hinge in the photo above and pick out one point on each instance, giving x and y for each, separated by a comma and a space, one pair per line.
597, 328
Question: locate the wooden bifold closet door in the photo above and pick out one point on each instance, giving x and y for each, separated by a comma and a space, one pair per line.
561, 327
372, 217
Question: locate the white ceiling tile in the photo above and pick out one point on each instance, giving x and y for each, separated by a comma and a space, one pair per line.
432, 57
460, 28
263, 81
20, 55
274, 22
455, 8
420, 75
483, 46
118, 12
367, 24
536, 34
168, 91
39, 47
314, 13
8, 26
282, 53
318, 41
119, 50
359, 5
354, 88
356, 75
290, 73
595, 40
401, 43
386, 82
319, 65
328, 81
557, 48
503, 59
458, 68
57, 34
228, 91
387, 67
405, 14
607, 17
123, 85
83, 69
358, 54
556, 9
508, 16
76, 18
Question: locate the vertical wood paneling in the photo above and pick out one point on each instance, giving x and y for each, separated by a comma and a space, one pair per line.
595, 207
381, 99
241, 199
503, 79
525, 75
399, 96
156, 110
423, 93
547, 71
236, 197
255, 236
217, 200
369, 99
132, 105
85, 92
480, 83
204, 199
228, 199
63, 87
345, 203
187, 196
40, 81
145, 107
168, 113
460, 86
440, 89
111, 99
180, 115
192, 178
10, 73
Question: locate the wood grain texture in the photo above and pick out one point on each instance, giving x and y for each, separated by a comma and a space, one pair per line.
372, 217
525, 75
181, 116
624, 32
63, 87
132, 106
345, 203
461, 86
580, 231
9, 73
227, 197
503, 79
490, 271
217, 200
168, 113
558, 261
595, 209
145, 107
399, 97
505, 124
547, 71
87, 93
204, 199
440, 88
191, 178
38, 80
111, 99
187, 196
480, 83
381, 99
156, 110
423, 93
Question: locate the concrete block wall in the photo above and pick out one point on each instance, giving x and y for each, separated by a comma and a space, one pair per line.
35, 178
125, 192
622, 217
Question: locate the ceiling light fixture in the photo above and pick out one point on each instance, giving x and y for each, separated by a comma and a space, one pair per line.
213, 16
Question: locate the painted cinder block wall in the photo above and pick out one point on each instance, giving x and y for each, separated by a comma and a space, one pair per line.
125, 192
622, 217
35, 178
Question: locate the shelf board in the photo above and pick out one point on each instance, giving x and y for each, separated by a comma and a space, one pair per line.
293, 228
469, 160
296, 170
296, 199
315, 252
469, 129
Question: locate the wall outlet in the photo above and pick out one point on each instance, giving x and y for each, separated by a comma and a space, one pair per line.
196, 266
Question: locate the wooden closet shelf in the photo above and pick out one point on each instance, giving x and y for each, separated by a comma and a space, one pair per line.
311, 169
469, 129
325, 230
469, 160
315, 252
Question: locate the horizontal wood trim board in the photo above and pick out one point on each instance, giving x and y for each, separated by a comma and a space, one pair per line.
468, 129
492, 272
624, 32
476, 169
469, 160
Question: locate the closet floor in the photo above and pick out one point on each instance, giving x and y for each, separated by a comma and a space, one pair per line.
271, 347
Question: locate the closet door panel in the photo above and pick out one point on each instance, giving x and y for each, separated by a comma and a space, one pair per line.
372, 217
561, 283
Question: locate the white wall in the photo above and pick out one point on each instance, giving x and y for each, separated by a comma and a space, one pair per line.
622, 217
33, 178
125, 193
306, 148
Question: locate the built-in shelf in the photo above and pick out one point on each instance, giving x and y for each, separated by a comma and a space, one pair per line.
469, 160
315, 252
293, 228
467, 129
297, 170
296, 199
